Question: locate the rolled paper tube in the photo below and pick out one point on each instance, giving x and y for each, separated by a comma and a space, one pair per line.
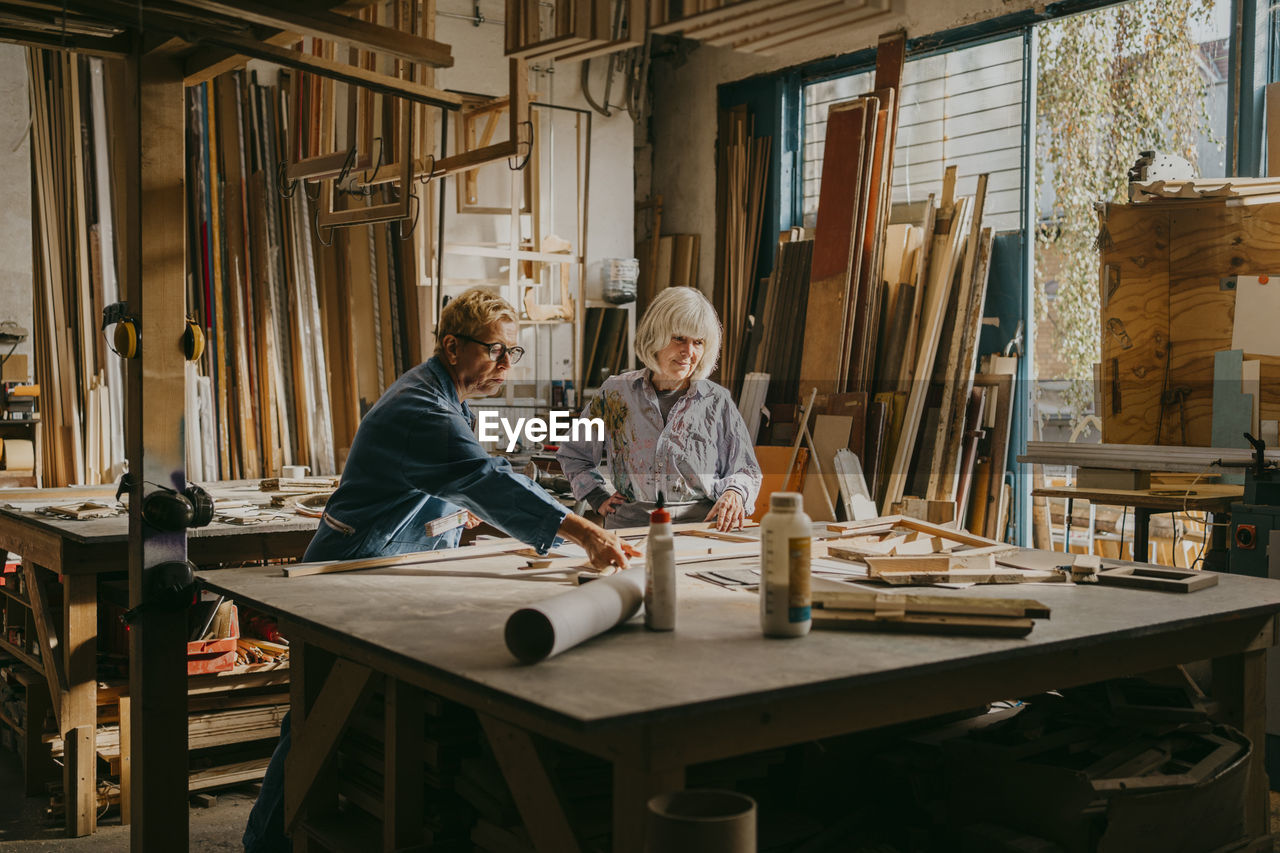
547, 628
19, 454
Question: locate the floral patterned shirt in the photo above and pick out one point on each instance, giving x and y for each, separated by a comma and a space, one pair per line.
700, 451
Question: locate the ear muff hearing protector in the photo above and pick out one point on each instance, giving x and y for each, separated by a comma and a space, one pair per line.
169, 509
168, 586
193, 340
126, 338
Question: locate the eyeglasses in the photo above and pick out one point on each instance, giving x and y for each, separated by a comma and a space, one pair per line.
497, 350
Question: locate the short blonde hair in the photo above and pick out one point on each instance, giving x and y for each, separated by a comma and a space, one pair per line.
679, 310
471, 314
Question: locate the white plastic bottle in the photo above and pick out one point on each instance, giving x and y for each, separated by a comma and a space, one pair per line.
785, 537
660, 573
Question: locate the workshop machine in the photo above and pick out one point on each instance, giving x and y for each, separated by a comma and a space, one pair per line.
1254, 549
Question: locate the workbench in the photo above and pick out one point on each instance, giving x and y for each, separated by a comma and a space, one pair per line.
654, 704
79, 552
1213, 498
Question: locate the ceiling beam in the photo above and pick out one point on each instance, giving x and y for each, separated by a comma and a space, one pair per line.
382, 83
114, 47
207, 61
350, 31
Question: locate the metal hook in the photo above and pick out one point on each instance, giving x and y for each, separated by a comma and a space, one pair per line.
284, 187
345, 171
310, 197
528, 154
430, 172
417, 211
377, 164
315, 221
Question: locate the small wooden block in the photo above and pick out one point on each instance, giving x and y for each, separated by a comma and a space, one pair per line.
204, 801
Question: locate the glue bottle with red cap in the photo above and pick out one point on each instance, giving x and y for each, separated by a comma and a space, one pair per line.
660, 572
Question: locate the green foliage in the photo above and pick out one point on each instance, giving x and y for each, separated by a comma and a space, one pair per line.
1110, 83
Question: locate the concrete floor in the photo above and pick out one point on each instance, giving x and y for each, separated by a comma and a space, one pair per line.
24, 828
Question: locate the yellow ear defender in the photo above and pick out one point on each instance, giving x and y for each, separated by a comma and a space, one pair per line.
193, 340
127, 338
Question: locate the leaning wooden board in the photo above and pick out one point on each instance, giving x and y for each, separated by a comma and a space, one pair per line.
834, 249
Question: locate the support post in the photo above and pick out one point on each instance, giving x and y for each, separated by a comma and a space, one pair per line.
154, 265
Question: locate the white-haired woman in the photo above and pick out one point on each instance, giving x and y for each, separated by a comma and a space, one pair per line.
669, 429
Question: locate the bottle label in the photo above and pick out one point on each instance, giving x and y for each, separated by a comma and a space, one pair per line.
798, 599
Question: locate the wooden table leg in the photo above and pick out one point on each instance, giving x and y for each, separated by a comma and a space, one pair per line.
1240, 685
126, 728
325, 692
633, 786
403, 788
80, 710
531, 787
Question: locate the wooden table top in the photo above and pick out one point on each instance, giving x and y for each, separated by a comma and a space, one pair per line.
21, 508
1201, 497
445, 621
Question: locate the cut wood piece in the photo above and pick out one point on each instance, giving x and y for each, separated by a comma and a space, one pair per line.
913, 602
941, 273
830, 436
858, 505
924, 623
1158, 579
844, 158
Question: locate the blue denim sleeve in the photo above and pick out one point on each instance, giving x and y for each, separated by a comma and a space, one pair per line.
445, 459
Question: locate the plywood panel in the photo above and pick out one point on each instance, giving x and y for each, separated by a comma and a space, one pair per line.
1135, 322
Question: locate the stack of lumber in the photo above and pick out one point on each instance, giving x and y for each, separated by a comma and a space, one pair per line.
82, 396
604, 345
744, 169
780, 338
761, 26
842, 318
916, 427
572, 30
673, 261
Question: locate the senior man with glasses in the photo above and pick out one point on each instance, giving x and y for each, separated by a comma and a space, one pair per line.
414, 459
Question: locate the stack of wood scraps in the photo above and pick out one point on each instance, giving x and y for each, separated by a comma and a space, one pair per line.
763, 26
906, 551
744, 169
869, 610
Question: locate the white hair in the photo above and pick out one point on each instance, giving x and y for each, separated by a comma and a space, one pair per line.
679, 310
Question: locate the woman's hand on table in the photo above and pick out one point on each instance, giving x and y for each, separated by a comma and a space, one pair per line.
728, 513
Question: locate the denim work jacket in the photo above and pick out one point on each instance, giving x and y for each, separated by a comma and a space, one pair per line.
415, 459
701, 451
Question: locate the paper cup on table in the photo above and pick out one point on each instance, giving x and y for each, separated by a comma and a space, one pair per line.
701, 821
547, 628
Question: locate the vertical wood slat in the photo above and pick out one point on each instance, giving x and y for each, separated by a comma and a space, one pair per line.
154, 265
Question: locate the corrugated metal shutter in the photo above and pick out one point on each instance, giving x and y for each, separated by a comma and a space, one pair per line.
962, 108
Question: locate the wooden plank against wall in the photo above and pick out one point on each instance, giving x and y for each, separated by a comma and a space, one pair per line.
155, 258
842, 165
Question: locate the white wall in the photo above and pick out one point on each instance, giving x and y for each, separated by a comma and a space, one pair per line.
683, 130
16, 288
480, 66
